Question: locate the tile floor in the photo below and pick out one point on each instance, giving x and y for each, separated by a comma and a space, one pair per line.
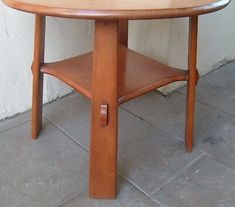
154, 169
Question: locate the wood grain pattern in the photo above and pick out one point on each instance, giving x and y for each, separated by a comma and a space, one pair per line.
118, 9
103, 147
192, 81
137, 74
37, 89
76, 72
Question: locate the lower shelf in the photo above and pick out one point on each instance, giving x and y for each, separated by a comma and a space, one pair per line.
137, 74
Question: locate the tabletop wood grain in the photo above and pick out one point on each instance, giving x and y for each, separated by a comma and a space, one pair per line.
118, 9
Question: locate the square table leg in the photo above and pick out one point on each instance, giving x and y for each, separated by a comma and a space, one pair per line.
104, 117
123, 32
192, 81
39, 43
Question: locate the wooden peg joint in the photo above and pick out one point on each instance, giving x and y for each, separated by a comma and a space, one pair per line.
197, 76
104, 114
33, 66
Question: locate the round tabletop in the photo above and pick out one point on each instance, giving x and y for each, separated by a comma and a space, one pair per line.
118, 9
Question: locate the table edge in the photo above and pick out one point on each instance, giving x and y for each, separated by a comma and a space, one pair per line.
117, 14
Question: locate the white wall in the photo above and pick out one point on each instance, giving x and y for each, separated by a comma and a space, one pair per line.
165, 40
216, 42
65, 38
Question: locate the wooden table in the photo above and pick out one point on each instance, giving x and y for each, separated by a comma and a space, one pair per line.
112, 74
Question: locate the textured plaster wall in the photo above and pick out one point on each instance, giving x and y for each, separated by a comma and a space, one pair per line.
165, 40
216, 42
65, 38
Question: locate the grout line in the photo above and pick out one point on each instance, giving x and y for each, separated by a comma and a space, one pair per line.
171, 135
219, 161
22, 123
157, 202
156, 127
177, 91
134, 185
73, 198
159, 93
207, 104
66, 135
16, 115
196, 160
139, 117
215, 108
166, 132
190, 164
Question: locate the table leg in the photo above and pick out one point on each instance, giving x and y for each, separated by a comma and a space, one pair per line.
37, 75
123, 32
192, 81
103, 148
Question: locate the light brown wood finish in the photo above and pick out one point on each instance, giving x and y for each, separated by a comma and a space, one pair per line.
103, 148
37, 90
192, 81
76, 72
112, 74
137, 74
118, 9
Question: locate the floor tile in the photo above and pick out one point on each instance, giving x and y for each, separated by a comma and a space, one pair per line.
135, 164
215, 134
128, 196
72, 115
148, 157
15, 121
206, 184
44, 172
217, 88
167, 113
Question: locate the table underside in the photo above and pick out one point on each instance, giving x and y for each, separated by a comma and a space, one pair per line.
137, 74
